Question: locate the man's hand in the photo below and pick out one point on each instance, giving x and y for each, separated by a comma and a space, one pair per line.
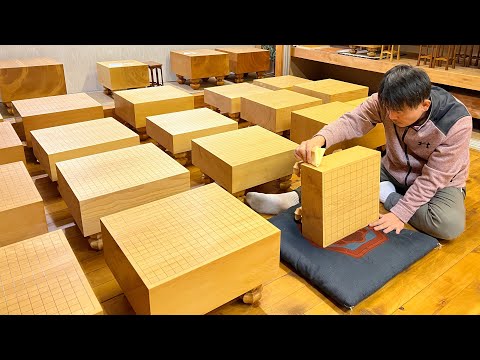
387, 223
304, 150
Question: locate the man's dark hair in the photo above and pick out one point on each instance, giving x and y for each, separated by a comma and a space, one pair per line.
404, 86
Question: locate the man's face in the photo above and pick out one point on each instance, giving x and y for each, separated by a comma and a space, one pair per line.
408, 116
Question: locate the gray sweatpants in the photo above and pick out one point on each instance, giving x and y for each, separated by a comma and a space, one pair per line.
443, 217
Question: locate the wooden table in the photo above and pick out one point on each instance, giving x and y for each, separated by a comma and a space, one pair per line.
133, 106
71, 141
273, 110
30, 78
244, 60
307, 122
22, 214
189, 254
101, 184
226, 99
11, 148
199, 64
241, 159
284, 82
332, 90
41, 113
175, 131
42, 276
122, 74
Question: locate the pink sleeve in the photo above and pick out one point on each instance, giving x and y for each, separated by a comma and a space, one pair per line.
445, 162
353, 124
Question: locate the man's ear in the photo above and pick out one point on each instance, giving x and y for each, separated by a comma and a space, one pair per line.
426, 104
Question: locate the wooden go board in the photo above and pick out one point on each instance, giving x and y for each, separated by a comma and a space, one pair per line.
340, 196
11, 148
42, 276
272, 110
71, 141
175, 131
191, 252
280, 82
247, 59
122, 74
307, 122
22, 214
240, 159
101, 184
332, 90
41, 113
199, 63
133, 106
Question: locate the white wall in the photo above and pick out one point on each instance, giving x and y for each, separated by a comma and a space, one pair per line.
79, 61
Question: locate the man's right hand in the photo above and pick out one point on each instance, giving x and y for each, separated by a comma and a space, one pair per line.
304, 150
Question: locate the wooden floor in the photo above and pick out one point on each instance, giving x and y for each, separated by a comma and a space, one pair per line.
446, 281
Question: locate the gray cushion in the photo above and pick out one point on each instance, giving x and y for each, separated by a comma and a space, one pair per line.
355, 267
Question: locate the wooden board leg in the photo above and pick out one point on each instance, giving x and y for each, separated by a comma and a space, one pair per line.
195, 84
96, 241
253, 296
220, 80
9, 107
107, 91
285, 182
240, 195
206, 179
238, 78
234, 116
260, 74
181, 158
180, 79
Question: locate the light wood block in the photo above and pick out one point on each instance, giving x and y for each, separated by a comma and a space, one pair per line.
199, 63
227, 97
307, 122
11, 148
42, 276
332, 90
188, 253
241, 159
31, 78
71, 141
273, 110
280, 82
356, 102
133, 106
21, 207
175, 131
340, 196
45, 112
247, 59
101, 184
123, 74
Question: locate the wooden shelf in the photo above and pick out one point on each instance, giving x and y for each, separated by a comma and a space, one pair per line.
462, 77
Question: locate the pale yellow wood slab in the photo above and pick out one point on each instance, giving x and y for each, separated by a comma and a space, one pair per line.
332, 90
42, 276
133, 106
11, 148
307, 122
244, 158
22, 213
70, 141
123, 74
340, 196
273, 110
30, 78
247, 59
227, 97
175, 131
191, 252
101, 184
280, 82
44, 112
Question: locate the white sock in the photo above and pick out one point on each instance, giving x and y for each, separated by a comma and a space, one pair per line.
271, 203
386, 188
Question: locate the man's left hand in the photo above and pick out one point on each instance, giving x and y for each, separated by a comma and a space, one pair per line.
387, 223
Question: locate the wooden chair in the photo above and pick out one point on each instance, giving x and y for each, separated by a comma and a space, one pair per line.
426, 55
154, 65
465, 55
444, 53
390, 50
